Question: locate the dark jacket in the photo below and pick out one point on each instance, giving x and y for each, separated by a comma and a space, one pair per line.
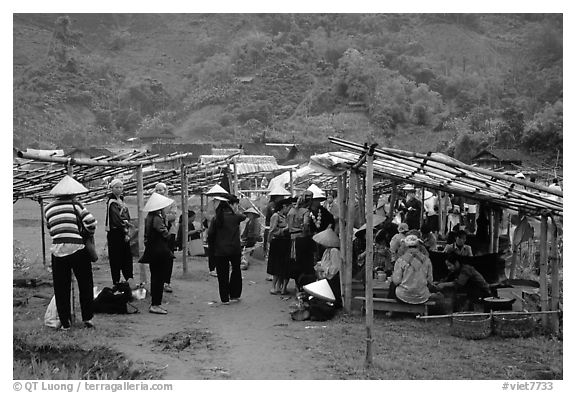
117, 214
191, 227
224, 240
156, 240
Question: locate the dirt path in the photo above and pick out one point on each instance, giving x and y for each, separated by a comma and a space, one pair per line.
252, 339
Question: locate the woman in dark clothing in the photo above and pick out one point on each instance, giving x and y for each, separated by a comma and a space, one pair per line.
302, 247
193, 233
157, 252
224, 244
279, 256
117, 225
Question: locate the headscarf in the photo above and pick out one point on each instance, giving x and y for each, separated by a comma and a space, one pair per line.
115, 182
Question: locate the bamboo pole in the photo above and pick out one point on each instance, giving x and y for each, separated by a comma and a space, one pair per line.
393, 198
141, 220
369, 258
361, 197
555, 278
70, 171
441, 215
291, 182
184, 223
422, 207
491, 246
484, 314
497, 216
92, 162
342, 228
349, 235
201, 209
41, 202
544, 301
235, 183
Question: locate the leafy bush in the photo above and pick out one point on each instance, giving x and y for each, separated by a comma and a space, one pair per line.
545, 131
216, 70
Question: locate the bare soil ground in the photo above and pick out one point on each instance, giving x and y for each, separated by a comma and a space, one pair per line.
253, 339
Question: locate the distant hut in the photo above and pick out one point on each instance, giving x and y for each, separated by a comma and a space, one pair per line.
506, 159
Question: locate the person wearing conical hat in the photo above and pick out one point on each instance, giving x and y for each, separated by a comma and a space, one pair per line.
329, 265
117, 234
157, 252
169, 214
63, 217
224, 246
276, 194
252, 232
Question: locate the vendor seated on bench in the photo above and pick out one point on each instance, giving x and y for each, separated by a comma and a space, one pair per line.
464, 279
459, 246
412, 275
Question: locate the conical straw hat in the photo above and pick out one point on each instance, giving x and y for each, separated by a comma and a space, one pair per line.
316, 191
157, 202
217, 190
320, 289
68, 186
279, 190
376, 220
252, 210
327, 238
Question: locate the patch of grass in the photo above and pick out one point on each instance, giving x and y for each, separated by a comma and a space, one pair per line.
49, 354
404, 348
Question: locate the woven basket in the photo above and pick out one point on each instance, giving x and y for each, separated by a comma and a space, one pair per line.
517, 325
471, 327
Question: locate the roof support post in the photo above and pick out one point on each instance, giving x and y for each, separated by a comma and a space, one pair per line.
360, 184
555, 278
41, 202
369, 255
344, 240
141, 219
491, 245
347, 276
184, 223
544, 269
422, 207
393, 198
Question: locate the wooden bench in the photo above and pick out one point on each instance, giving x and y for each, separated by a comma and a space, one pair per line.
382, 304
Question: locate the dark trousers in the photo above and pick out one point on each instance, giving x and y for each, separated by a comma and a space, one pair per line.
168, 270
229, 285
62, 268
120, 256
211, 262
157, 274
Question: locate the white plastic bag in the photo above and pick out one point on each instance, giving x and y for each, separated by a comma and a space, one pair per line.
51, 318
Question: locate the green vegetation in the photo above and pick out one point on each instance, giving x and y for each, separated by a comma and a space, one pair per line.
482, 79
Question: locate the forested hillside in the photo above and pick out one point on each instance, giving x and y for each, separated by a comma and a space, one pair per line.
443, 82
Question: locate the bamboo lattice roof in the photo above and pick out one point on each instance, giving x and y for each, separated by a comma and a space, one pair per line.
439, 172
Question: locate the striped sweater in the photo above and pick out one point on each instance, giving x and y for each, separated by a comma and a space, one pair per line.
62, 221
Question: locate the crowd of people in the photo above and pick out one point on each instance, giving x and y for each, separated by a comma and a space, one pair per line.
299, 237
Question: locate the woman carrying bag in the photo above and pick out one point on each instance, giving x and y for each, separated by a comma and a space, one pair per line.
157, 252
69, 254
